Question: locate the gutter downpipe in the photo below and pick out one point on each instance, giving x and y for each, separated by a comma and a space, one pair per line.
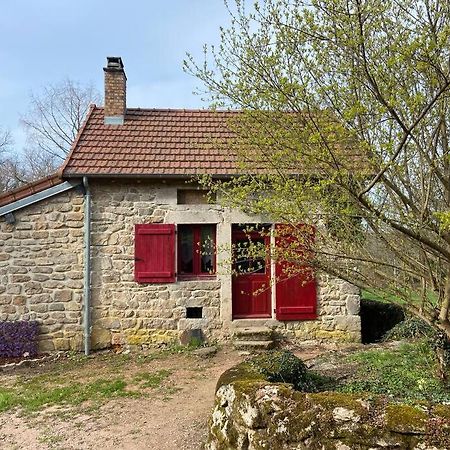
87, 266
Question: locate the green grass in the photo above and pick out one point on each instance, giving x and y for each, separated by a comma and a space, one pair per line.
410, 297
80, 380
408, 373
33, 394
151, 379
380, 297
90, 381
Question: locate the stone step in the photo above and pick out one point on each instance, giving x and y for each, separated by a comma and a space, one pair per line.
254, 323
253, 334
253, 345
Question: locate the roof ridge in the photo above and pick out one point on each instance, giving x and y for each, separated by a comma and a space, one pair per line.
100, 108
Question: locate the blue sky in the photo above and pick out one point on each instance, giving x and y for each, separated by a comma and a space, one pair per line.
46, 41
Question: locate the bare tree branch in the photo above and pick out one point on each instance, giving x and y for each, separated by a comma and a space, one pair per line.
53, 121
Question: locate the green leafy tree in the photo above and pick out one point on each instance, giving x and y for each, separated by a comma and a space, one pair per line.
345, 125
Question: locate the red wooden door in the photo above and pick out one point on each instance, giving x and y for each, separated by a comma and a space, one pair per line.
251, 292
296, 290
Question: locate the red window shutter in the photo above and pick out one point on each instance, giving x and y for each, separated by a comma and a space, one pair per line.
154, 253
296, 290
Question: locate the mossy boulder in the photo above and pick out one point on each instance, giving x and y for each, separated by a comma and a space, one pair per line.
257, 407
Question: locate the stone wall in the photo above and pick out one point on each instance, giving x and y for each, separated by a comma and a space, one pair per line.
41, 273
257, 415
41, 269
128, 312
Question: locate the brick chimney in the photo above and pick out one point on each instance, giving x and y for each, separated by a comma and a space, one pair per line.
115, 91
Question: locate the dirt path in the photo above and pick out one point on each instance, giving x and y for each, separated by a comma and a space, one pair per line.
162, 422
173, 418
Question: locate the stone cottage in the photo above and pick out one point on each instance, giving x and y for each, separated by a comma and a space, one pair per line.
119, 248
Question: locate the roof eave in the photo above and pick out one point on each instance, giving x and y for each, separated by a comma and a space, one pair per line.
146, 176
37, 197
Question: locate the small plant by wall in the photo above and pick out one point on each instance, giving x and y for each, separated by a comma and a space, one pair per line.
18, 339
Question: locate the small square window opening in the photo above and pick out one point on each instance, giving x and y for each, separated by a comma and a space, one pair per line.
194, 197
194, 312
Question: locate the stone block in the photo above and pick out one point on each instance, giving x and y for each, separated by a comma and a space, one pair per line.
76, 343
46, 345
56, 307
19, 300
100, 338
118, 338
39, 308
63, 296
348, 323
40, 277
115, 325
13, 289
73, 306
347, 288
61, 344
332, 310
39, 234
40, 298
353, 304
119, 304
164, 295
20, 278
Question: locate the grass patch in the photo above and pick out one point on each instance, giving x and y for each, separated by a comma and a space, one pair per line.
408, 373
32, 395
77, 380
151, 379
379, 297
89, 381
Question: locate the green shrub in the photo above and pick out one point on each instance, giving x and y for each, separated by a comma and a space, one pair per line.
410, 328
282, 366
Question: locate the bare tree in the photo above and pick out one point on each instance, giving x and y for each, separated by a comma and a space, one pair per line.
5, 140
55, 116
9, 164
53, 121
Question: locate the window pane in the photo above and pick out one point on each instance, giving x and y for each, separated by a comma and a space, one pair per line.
186, 250
245, 262
207, 249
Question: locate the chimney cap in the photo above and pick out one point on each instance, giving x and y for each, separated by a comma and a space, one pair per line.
114, 63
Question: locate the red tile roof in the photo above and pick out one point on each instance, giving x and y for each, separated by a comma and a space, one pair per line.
153, 142
30, 188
